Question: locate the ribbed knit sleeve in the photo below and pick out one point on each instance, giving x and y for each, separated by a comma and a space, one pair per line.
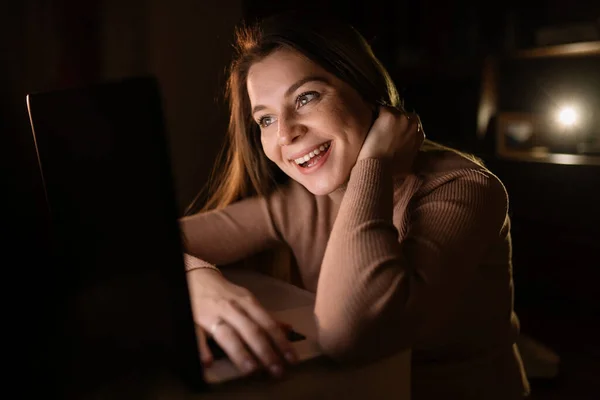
229, 235
378, 293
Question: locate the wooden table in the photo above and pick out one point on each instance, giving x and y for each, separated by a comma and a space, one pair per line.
319, 378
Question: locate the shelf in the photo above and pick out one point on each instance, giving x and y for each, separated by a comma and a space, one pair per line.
551, 158
562, 50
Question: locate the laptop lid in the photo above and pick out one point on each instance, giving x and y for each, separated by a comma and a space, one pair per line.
119, 304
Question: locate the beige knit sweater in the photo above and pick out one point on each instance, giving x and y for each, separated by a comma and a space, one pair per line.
421, 262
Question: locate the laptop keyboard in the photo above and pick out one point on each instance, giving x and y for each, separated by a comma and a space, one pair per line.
218, 352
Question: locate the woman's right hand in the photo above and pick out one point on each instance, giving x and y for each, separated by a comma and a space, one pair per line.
235, 319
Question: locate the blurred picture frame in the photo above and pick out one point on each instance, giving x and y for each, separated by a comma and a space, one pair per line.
529, 137
518, 135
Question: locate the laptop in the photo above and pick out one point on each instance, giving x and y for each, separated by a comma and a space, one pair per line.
287, 303
120, 302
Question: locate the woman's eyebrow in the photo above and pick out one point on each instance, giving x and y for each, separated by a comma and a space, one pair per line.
293, 88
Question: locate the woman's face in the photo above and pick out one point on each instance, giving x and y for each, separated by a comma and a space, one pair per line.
312, 124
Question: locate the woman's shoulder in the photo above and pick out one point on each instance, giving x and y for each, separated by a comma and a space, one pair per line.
436, 168
436, 163
445, 160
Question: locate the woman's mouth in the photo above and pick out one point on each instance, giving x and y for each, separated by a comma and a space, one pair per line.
313, 160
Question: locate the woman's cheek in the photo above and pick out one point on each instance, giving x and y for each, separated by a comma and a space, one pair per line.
273, 152
266, 144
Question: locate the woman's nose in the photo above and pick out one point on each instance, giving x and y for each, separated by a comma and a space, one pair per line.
288, 131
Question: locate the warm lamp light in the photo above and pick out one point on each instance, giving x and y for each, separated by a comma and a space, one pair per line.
567, 116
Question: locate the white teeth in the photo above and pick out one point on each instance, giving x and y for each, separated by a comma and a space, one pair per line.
312, 154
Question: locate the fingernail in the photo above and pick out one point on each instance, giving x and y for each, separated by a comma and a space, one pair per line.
249, 366
290, 357
276, 370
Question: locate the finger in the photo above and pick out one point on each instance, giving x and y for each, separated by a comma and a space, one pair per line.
388, 117
420, 127
412, 118
231, 343
205, 353
416, 127
256, 337
276, 330
414, 123
388, 110
399, 114
392, 109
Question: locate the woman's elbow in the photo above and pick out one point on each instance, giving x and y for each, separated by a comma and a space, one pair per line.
337, 335
364, 340
337, 344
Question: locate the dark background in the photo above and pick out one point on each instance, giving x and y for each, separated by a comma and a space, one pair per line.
434, 50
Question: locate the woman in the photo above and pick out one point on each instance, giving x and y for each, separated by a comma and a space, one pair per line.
405, 242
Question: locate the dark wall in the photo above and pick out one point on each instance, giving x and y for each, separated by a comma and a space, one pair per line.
556, 230
47, 45
184, 43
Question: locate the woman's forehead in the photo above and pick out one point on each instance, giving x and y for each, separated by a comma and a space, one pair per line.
274, 74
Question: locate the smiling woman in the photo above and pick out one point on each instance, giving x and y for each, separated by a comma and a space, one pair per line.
414, 237
301, 108
326, 50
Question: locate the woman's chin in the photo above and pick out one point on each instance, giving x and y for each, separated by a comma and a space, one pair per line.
321, 187
325, 180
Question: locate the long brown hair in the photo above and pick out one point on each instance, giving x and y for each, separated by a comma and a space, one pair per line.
244, 170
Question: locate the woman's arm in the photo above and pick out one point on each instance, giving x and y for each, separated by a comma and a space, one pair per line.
376, 293
225, 236
250, 335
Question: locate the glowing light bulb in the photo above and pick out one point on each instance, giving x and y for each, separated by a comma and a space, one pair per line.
567, 116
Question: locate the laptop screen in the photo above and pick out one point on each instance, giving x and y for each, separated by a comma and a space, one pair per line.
121, 302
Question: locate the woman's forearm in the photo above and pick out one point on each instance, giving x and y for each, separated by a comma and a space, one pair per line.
229, 235
378, 288
362, 272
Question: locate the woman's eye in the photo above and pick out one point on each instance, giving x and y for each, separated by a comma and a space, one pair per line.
306, 98
301, 101
265, 121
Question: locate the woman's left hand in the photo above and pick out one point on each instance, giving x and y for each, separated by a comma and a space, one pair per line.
394, 134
